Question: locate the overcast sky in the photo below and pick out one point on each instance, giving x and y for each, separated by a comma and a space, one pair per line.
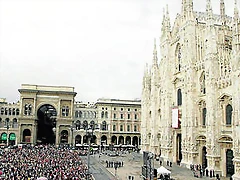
100, 47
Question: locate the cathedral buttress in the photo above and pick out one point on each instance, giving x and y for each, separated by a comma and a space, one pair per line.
212, 73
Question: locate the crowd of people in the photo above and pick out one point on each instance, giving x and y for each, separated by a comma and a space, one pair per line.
32, 162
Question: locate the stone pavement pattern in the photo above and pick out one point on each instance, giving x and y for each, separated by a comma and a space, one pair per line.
133, 163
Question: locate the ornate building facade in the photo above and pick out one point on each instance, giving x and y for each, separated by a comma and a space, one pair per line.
120, 121
190, 98
50, 115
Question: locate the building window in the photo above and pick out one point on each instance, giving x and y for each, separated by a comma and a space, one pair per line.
6, 111
135, 109
179, 97
76, 114
104, 126
13, 111
27, 109
6, 122
114, 127
128, 116
135, 116
135, 128
202, 83
106, 114
10, 111
14, 123
121, 109
17, 111
78, 125
80, 114
128, 128
204, 113
179, 56
102, 114
65, 111
114, 116
2, 111
229, 114
114, 109
121, 116
121, 127
102, 108
128, 109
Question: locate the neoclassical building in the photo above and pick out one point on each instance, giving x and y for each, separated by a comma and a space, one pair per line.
190, 97
50, 115
120, 121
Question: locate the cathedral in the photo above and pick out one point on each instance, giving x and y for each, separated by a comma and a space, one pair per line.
191, 94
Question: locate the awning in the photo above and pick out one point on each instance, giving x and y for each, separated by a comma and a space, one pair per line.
4, 136
12, 137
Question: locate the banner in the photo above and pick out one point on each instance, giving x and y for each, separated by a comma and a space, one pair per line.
4, 137
175, 118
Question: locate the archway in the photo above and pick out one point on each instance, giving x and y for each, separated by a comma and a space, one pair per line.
204, 157
229, 163
128, 140
26, 136
12, 139
104, 139
4, 137
46, 124
93, 139
64, 137
78, 139
85, 139
135, 141
121, 140
114, 140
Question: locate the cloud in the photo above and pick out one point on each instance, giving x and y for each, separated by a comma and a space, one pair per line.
99, 47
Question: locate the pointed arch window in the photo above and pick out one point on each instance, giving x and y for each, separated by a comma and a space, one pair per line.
178, 55
202, 83
179, 97
204, 114
229, 114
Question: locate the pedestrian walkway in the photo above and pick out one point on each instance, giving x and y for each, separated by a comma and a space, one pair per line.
132, 166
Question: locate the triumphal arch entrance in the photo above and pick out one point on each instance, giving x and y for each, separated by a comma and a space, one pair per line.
46, 114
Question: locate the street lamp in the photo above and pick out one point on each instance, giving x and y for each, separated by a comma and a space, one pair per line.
89, 133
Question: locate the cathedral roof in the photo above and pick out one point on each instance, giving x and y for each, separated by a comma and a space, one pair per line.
202, 17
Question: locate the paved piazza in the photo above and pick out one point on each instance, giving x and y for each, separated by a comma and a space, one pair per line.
132, 167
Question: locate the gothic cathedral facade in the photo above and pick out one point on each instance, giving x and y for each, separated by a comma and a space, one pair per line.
191, 96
